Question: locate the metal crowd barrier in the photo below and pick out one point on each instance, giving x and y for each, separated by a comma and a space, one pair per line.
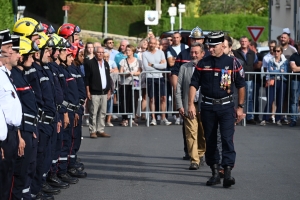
261, 96
169, 94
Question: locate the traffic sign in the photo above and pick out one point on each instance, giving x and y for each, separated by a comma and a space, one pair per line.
66, 8
255, 31
151, 17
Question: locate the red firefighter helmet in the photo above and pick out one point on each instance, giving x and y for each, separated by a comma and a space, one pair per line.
67, 30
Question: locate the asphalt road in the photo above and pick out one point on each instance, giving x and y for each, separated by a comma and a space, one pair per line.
146, 163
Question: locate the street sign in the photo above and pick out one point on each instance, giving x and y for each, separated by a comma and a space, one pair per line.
151, 17
255, 31
66, 8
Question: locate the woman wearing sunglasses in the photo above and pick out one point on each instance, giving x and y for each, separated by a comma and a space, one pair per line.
276, 85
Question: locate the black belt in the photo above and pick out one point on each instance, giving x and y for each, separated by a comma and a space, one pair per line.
12, 128
81, 101
47, 119
70, 106
221, 101
30, 119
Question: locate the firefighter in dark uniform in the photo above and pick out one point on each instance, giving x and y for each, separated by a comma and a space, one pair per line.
184, 57
61, 89
43, 88
12, 110
76, 73
30, 118
71, 102
217, 74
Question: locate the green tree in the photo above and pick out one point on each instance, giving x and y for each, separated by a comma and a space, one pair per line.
7, 16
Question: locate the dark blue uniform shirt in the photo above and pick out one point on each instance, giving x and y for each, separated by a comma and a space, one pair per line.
208, 72
71, 94
27, 98
41, 83
76, 73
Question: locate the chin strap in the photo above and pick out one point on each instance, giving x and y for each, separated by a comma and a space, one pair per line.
52, 54
62, 61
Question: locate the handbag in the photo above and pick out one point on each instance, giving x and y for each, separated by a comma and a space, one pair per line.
270, 82
135, 81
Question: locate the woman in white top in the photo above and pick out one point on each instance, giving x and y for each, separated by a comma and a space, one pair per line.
132, 67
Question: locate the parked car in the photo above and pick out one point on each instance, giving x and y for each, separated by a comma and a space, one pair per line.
263, 50
185, 35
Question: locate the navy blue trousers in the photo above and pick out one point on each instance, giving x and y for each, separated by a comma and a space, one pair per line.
77, 138
45, 134
210, 120
22, 165
10, 148
66, 145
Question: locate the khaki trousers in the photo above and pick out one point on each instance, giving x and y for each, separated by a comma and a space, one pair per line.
194, 134
97, 111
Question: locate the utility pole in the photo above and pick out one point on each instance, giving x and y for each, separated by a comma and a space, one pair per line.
158, 8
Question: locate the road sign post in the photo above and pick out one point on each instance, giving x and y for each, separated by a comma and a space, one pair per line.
255, 32
66, 8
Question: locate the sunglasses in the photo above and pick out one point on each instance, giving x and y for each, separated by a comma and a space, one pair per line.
110, 42
277, 51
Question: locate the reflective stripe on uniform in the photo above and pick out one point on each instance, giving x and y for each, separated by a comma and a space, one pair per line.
61, 75
63, 158
30, 71
24, 88
54, 161
44, 79
46, 67
25, 190
72, 156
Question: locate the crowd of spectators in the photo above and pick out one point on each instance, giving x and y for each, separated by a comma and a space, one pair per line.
156, 55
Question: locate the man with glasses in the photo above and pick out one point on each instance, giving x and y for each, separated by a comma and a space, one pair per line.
109, 46
217, 75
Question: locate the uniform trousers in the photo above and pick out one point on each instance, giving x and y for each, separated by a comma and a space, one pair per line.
66, 145
50, 151
97, 113
22, 165
45, 134
75, 135
78, 134
224, 116
10, 148
56, 147
195, 137
26, 193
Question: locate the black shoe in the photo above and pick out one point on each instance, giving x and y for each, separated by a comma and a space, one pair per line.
54, 181
186, 157
78, 160
46, 188
76, 173
215, 179
221, 173
251, 121
202, 162
194, 166
67, 178
79, 166
42, 196
228, 180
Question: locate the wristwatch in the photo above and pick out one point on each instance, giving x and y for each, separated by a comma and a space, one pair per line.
241, 105
152, 65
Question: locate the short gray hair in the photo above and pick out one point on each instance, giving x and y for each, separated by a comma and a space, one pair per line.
96, 49
197, 44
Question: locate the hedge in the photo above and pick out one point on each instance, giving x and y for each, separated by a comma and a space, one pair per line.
129, 20
7, 16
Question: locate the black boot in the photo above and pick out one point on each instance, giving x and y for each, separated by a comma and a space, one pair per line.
76, 173
215, 179
228, 180
67, 178
79, 166
42, 196
46, 188
54, 181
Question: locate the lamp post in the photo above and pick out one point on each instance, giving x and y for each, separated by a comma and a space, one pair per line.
181, 9
172, 12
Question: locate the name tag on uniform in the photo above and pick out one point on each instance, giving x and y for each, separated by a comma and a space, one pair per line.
216, 74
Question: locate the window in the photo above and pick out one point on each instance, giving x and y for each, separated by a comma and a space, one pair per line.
277, 3
288, 4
